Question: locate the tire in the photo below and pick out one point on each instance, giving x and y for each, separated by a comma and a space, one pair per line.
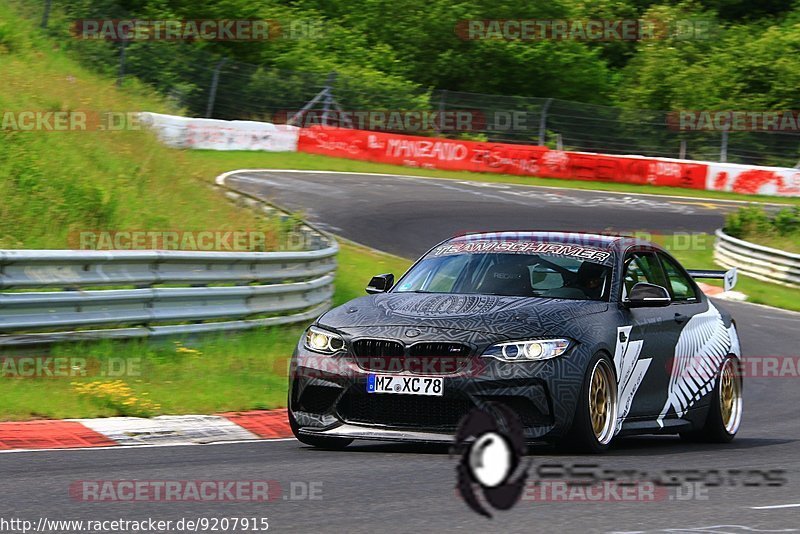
320, 442
725, 412
595, 422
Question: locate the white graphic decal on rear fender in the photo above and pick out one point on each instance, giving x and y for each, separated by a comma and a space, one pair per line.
702, 346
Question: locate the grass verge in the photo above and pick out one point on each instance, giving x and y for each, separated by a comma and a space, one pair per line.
55, 184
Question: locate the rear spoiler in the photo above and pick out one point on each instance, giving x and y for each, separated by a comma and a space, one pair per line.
730, 276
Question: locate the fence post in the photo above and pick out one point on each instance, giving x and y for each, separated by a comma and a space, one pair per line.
559, 142
682, 153
328, 102
121, 73
212, 93
442, 108
46, 14
543, 123
723, 149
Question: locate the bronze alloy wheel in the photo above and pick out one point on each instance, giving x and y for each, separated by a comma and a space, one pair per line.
603, 401
730, 396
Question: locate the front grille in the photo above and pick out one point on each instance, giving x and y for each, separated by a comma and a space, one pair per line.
437, 358
403, 410
377, 348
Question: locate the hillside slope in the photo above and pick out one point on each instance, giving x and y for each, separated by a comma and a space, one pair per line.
56, 183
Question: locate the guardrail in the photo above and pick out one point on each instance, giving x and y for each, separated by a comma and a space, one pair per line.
757, 261
59, 295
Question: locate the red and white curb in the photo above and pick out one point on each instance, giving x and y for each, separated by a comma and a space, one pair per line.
718, 292
131, 431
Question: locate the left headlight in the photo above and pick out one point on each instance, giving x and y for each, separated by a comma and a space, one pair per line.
319, 340
526, 351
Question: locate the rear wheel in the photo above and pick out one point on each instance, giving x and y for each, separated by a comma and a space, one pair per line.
725, 412
595, 421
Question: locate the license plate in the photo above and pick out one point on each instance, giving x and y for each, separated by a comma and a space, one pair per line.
406, 385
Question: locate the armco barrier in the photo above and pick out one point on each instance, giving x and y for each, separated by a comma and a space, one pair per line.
526, 160
220, 291
757, 261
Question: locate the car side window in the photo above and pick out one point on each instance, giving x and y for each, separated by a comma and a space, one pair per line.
680, 284
642, 267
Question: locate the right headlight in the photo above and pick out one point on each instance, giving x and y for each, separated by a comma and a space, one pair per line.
526, 351
323, 341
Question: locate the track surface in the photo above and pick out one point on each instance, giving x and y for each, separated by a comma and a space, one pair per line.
406, 215
402, 488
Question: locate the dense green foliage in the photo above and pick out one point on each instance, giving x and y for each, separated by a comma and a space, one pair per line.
748, 59
753, 223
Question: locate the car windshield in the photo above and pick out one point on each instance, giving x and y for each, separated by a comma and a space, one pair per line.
515, 275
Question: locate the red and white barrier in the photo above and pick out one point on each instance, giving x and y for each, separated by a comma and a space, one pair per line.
528, 160
474, 156
212, 134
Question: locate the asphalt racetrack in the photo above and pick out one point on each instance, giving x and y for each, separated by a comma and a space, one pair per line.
375, 487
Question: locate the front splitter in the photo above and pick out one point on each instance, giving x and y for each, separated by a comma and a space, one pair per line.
379, 434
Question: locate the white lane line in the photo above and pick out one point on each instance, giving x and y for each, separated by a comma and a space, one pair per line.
148, 446
775, 506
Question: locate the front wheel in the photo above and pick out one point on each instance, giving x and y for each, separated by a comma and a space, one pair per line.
595, 422
725, 412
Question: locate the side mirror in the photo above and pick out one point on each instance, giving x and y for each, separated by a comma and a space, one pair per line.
380, 284
644, 295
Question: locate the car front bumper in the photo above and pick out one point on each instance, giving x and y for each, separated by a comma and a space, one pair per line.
328, 396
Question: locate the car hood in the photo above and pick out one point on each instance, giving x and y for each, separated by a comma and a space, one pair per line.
505, 316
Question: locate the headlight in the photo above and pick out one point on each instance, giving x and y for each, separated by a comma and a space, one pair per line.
522, 351
319, 340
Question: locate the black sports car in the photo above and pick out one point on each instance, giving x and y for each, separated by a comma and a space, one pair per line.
584, 336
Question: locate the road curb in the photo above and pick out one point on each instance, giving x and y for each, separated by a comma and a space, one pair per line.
132, 431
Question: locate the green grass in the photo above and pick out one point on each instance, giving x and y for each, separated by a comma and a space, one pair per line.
54, 184
787, 244
226, 161
358, 264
